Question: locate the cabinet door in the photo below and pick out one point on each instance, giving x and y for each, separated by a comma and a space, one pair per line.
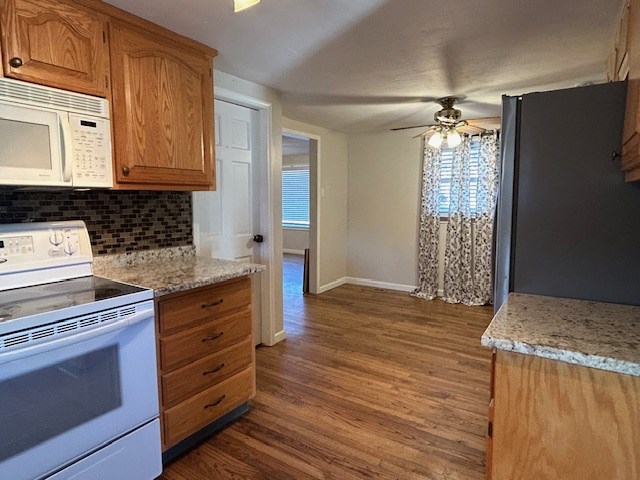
60, 44
555, 420
631, 136
162, 111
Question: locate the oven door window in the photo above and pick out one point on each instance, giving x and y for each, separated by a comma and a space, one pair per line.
44, 403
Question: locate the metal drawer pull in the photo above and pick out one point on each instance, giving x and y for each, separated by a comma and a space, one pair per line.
213, 337
214, 370
213, 404
212, 304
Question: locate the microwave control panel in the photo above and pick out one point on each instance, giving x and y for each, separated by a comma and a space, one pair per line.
92, 166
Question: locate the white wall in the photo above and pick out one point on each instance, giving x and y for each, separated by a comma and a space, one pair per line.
385, 174
333, 167
295, 240
265, 94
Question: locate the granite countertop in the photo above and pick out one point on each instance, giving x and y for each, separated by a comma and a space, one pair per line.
592, 334
170, 270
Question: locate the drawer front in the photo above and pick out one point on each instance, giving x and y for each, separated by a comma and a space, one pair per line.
184, 347
206, 372
202, 409
202, 304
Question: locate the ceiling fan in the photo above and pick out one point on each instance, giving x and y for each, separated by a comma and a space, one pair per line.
448, 126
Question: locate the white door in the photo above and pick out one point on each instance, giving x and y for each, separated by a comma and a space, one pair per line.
225, 221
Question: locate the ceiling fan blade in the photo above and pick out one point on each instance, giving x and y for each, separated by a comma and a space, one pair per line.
426, 133
485, 121
413, 126
471, 129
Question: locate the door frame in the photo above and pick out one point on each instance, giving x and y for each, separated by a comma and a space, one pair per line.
268, 220
314, 206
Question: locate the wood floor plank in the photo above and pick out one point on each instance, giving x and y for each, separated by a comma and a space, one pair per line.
368, 384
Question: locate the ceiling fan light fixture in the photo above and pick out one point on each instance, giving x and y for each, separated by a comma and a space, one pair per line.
436, 140
239, 5
453, 138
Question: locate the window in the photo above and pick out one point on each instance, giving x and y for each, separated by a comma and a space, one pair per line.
295, 198
446, 171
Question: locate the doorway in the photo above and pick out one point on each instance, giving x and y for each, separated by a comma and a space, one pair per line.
295, 227
299, 223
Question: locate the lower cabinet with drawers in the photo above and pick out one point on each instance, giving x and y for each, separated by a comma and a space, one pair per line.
206, 357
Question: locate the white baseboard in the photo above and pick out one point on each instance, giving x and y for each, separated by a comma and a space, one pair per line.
293, 252
365, 282
332, 285
279, 336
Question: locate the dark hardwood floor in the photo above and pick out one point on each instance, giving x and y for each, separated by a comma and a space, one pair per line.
368, 384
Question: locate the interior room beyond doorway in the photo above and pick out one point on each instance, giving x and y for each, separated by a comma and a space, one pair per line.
295, 220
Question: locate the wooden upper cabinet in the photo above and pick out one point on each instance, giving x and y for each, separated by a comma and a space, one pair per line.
60, 44
625, 58
162, 111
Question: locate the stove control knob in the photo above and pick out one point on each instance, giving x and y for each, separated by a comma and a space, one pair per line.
55, 238
69, 249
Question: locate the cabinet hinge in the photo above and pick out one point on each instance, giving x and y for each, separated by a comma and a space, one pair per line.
104, 37
211, 73
490, 430
106, 81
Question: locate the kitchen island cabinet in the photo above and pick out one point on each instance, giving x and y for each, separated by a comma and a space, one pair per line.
565, 394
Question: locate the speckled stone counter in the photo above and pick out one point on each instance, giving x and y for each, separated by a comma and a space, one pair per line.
592, 334
170, 270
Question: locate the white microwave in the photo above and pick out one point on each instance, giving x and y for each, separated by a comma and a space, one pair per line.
53, 138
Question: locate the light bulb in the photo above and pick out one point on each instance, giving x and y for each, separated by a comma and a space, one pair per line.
239, 5
453, 139
436, 140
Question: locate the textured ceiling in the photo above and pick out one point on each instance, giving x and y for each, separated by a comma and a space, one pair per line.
364, 65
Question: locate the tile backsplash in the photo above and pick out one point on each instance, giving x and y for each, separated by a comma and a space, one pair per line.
118, 221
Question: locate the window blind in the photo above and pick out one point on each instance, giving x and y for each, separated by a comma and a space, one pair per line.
295, 198
446, 174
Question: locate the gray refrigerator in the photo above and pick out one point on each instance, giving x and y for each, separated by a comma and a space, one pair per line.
567, 224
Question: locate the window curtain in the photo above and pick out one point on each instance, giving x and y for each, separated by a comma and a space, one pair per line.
469, 239
429, 226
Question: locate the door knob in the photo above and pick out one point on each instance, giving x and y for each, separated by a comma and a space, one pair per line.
125, 171
258, 238
15, 62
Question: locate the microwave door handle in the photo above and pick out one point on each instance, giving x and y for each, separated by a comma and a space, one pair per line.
67, 148
46, 346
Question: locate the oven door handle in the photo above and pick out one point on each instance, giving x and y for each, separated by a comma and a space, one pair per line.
47, 346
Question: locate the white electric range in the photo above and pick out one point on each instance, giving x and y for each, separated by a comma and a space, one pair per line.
78, 380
